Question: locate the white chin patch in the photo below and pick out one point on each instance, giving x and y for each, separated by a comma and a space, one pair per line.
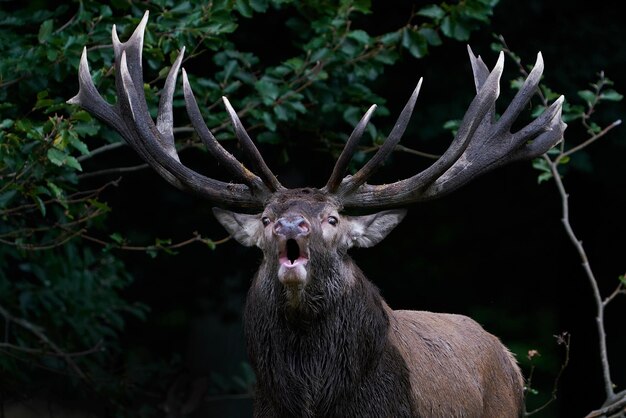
293, 273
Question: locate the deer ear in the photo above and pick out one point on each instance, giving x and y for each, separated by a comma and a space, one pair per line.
246, 229
369, 230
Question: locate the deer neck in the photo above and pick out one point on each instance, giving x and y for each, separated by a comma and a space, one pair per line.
315, 354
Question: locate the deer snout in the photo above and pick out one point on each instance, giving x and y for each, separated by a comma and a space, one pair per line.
292, 227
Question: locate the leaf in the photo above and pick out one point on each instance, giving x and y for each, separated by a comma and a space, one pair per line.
432, 11
391, 38
453, 28
611, 95
181, 8
6, 197
268, 91
543, 166
45, 30
56, 157
73, 162
40, 205
360, 36
209, 243
281, 112
243, 7
352, 115
415, 43
79, 145
362, 6
269, 121
117, 237
259, 5
587, 96
431, 36
543, 177
57, 192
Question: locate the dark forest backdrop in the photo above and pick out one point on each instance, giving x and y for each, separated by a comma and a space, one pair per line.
161, 326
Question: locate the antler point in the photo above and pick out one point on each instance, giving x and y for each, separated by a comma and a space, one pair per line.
74, 100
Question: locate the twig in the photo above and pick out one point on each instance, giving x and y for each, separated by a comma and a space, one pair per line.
43, 338
104, 148
618, 290
564, 339
615, 407
95, 349
196, 238
590, 140
606, 372
115, 170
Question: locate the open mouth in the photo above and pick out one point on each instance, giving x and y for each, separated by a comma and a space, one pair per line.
292, 254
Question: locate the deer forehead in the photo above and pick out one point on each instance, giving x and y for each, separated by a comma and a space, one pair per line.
308, 202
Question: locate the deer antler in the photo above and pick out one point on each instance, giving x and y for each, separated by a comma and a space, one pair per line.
481, 144
155, 142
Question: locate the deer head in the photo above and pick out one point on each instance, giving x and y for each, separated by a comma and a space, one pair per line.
303, 234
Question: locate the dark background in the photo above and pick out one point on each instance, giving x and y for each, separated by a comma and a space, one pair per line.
494, 250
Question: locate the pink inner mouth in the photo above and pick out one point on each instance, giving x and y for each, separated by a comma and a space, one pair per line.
284, 261
292, 255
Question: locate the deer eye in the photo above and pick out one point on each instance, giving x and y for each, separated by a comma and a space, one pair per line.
266, 221
333, 220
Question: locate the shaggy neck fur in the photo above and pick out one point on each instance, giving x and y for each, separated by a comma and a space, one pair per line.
319, 357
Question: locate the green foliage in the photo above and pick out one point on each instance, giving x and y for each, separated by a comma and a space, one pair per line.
61, 287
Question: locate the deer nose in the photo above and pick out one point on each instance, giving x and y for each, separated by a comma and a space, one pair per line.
291, 227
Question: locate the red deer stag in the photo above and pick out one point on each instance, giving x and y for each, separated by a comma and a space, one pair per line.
321, 339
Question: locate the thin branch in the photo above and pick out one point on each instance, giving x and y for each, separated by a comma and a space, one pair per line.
115, 170
590, 140
37, 331
196, 238
104, 148
42, 247
77, 197
615, 407
620, 289
563, 339
38, 351
606, 372
402, 148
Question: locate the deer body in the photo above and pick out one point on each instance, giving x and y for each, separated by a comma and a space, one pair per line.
320, 337
379, 363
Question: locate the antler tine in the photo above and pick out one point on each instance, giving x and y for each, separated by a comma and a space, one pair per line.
90, 99
348, 151
475, 120
155, 142
165, 116
522, 97
251, 151
351, 183
481, 143
232, 165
